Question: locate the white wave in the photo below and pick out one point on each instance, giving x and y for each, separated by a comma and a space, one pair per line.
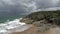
12, 26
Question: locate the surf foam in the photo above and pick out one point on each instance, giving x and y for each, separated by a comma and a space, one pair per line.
12, 26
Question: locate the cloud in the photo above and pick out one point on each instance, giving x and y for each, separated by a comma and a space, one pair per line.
30, 6
47, 3
26, 6
55, 1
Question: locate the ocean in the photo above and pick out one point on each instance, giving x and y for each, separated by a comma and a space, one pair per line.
10, 18
12, 24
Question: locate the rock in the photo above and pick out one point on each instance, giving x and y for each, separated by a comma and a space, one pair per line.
43, 20
46, 17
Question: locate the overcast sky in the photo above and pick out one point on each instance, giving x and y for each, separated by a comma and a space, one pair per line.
25, 6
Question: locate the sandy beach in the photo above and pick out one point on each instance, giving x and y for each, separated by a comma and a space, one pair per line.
33, 30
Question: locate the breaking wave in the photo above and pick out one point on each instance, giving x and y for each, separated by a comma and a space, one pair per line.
12, 26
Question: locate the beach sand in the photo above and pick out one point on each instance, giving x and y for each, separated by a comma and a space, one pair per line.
33, 30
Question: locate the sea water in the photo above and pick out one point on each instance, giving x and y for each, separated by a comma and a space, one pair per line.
13, 26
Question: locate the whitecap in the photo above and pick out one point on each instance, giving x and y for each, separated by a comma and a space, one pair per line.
13, 26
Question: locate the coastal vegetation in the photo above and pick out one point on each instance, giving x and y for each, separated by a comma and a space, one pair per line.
44, 20
49, 16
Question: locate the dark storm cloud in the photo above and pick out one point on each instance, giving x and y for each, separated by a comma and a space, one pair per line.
9, 7
13, 7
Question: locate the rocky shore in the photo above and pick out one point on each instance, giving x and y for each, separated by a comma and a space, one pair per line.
44, 22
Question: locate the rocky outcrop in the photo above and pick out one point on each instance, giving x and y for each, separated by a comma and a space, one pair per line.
43, 20
46, 17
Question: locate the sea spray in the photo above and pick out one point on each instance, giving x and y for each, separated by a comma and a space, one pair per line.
13, 26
